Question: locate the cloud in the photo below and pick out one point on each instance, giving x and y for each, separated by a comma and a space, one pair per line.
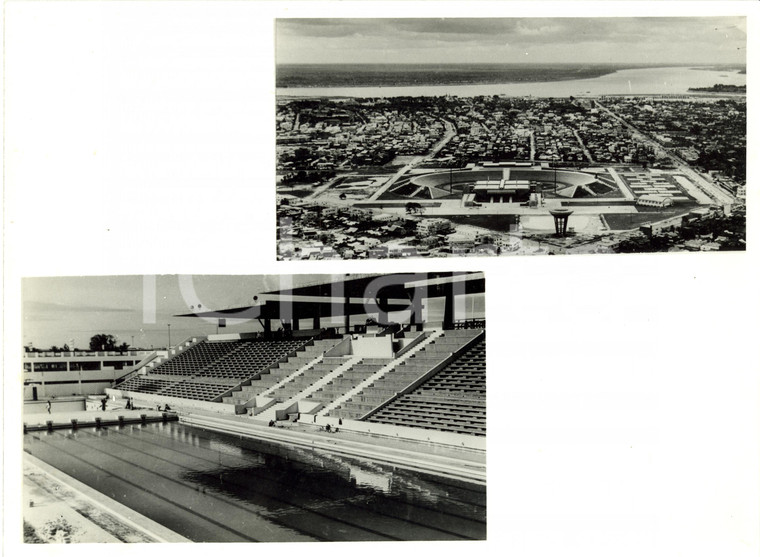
349, 37
53, 308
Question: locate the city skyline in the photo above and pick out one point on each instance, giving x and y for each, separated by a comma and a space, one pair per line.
626, 40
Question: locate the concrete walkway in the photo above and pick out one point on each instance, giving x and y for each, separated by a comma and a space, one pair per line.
437, 459
50, 497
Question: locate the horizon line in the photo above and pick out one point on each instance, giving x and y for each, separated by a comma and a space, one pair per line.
645, 64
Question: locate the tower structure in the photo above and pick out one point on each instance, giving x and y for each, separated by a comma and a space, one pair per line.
560, 220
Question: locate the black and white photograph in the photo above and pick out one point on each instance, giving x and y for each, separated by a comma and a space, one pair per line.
328, 408
440, 137
245, 251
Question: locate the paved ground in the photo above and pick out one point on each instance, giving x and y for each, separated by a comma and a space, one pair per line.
445, 460
59, 509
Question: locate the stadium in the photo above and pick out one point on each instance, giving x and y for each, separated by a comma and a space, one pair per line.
355, 411
506, 185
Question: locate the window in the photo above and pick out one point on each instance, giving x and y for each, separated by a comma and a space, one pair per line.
50, 366
84, 366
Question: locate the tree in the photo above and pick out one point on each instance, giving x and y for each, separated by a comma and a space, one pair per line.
413, 207
102, 342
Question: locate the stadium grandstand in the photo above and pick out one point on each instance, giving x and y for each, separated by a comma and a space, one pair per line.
396, 371
355, 411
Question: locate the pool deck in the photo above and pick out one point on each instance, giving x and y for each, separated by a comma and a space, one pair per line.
49, 495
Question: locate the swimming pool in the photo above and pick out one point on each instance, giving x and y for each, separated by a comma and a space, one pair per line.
213, 487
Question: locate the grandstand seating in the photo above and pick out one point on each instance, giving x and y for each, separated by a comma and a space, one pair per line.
454, 399
142, 384
209, 369
466, 374
196, 357
196, 391
405, 374
348, 380
250, 359
269, 378
307, 378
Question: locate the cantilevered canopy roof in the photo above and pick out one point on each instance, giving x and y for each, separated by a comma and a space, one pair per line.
352, 295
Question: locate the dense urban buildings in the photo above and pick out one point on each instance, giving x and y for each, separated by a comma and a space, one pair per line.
385, 177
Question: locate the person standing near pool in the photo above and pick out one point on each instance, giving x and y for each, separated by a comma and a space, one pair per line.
49, 406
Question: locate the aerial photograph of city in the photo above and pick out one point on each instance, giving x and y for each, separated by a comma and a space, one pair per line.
405, 138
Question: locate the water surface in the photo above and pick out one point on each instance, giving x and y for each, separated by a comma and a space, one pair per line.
639, 81
214, 487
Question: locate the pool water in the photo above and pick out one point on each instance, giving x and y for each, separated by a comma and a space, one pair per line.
214, 487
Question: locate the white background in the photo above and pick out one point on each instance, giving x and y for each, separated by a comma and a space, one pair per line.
623, 389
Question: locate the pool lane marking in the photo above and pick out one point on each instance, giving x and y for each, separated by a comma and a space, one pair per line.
241, 460
141, 489
235, 504
276, 483
94, 499
411, 504
191, 487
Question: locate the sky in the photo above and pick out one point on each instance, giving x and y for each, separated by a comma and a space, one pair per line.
138, 309
658, 40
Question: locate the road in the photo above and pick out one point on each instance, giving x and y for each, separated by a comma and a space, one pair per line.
324, 187
583, 146
447, 136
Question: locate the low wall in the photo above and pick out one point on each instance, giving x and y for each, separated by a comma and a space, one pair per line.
373, 347
151, 401
571, 177
356, 449
343, 348
68, 404
400, 432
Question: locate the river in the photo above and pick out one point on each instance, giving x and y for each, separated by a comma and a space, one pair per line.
640, 81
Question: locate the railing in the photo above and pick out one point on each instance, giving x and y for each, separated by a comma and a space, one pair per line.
470, 324
136, 368
79, 354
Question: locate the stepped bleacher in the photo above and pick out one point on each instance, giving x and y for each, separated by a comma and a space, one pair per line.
465, 375
348, 380
197, 357
250, 359
209, 369
196, 390
141, 384
453, 400
405, 374
274, 375
307, 378
436, 383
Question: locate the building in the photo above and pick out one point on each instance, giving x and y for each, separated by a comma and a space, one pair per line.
54, 374
650, 200
431, 227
